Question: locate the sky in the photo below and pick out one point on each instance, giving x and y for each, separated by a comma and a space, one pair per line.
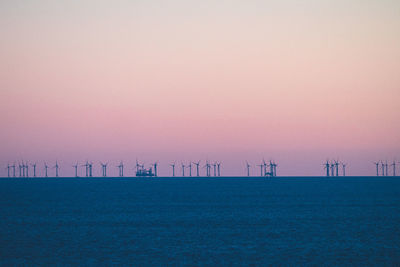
298, 82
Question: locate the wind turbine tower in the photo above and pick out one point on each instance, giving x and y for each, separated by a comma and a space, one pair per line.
137, 166
377, 168
219, 168
248, 168
327, 168
261, 169
27, 169
344, 168
387, 168
215, 168
24, 170
173, 169
265, 168
275, 165
34, 169
190, 168
104, 169
56, 167
155, 168
337, 167
183, 169
45, 169
208, 168
271, 169
394, 168
13, 167
121, 169
332, 169
383, 168
76, 169
86, 168
91, 169
20, 169
197, 167
8, 170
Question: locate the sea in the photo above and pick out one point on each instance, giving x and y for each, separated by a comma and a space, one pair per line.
222, 221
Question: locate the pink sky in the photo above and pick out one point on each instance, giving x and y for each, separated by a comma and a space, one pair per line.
217, 80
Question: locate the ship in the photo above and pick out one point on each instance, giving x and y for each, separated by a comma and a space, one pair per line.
143, 172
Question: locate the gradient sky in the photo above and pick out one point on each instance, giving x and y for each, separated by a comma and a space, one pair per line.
294, 81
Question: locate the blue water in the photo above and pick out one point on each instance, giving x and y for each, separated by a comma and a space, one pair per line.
196, 222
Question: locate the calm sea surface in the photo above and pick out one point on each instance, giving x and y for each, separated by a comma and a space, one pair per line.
196, 222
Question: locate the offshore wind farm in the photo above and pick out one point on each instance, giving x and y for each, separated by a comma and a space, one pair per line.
333, 168
199, 133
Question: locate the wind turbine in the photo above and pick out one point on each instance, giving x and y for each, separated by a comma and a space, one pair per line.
215, 168
26, 169
23, 169
208, 167
197, 166
377, 168
274, 168
45, 169
394, 167
248, 168
86, 168
8, 170
90, 168
20, 169
326, 166
383, 168
219, 168
104, 169
386, 167
332, 169
76, 169
139, 167
121, 169
190, 168
56, 167
344, 168
337, 167
90, 165
34, 169
173, 168
265, 167
261, 168
155, 168
183, 169
13, 167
